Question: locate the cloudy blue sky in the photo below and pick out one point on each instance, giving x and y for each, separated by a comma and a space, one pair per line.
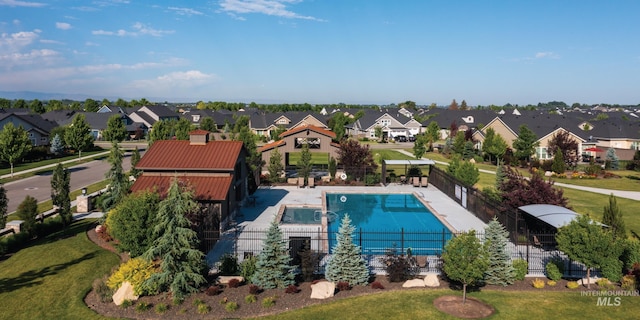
325, 51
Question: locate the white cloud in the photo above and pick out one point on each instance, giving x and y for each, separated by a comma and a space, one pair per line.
28, 58
63, 26
16, 3
16, 41
139, 29
276, 8
185, 11
47, 41
549, 55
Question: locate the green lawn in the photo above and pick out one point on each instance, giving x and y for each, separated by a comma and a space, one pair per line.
49, 279
418, 304
317, 158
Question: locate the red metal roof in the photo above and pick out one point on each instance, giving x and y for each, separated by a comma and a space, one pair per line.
271, 145
182, 155
205, 187
295, 130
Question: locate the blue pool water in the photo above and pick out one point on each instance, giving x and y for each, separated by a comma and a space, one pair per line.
385, 220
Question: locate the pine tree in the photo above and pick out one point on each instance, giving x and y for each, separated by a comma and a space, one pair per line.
57, 146
27, 212
135, 158
60, 188
118, 181
612, 216
500, 270
273, 268
304, 164
176, 245
558, 165
275, 166
612, 159
345, 263
4, 202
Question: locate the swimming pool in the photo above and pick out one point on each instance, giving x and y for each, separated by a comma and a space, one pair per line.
301, 215
385, 220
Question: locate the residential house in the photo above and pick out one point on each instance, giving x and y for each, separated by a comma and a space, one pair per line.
37, 128
265, 123
148, 115
216, 171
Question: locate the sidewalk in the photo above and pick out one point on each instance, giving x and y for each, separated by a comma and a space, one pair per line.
18, 173
633, 195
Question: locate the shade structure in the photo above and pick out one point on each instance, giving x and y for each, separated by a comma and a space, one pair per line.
594, 149
556, 216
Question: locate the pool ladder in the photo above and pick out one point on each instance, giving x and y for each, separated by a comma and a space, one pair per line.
331, 216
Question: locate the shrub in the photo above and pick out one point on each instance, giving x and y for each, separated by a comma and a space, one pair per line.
292, 289
228, 265
520, 268
343, 286
553, 272
628, 282
233, 283
253, 289
203, 308
572, 285
126, 304
398, 266
377, 285
136, 271
213, 291
142, 307
231, 306
269, 302
250, 298
551, 283
102, 290
248, 267
161, 308
538, 283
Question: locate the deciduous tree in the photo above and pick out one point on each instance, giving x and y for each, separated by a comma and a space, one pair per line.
563, 142
91, 105
14, 144
275, 166
517, 191
4, 203
465, 260
116, 130
78, 134
356, 159
132, 222
27, 212
304, 165
525, 144
208, 124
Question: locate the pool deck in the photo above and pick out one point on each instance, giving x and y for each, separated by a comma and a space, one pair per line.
268, 201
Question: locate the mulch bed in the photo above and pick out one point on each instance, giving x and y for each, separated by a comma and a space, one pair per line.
284, 301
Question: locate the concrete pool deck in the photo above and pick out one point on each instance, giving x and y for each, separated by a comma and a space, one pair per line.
268, 201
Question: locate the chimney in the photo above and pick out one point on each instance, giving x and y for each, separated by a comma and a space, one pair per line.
198, 137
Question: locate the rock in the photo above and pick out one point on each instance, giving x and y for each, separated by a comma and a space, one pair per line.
99, 228
431, 280
323, 290
125, 292
225, 279
584, 280
413, 283
548, 173
472, 160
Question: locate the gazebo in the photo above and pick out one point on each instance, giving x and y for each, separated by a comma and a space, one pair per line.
406, 163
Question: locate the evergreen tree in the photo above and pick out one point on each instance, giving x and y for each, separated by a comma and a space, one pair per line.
468, 151
345, 263
333, 167
176, 245
60, 189
499, 270
273, 268
465, 260
275, 166
613, 162
4, 203
558, 165
525, 144
118, 181
27, 212
135, 158
304, 164
458, 143
57, 146
612, 216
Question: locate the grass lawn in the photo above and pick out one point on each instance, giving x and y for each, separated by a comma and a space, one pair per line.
418, 304
49, 279
316, 158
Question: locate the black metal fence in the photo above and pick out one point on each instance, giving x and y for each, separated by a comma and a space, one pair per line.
427, 246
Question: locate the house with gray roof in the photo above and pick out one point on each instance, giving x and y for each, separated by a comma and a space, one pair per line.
37, 128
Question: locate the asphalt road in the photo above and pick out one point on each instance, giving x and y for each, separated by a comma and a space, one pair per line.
39, 186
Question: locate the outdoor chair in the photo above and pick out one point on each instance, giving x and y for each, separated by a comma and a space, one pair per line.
403, 179
416, 181
424, 181
311, 182
300, 182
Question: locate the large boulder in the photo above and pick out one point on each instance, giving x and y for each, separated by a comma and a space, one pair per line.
413, 283
226, 279
431, 280
586, 280
323, 290
125, 292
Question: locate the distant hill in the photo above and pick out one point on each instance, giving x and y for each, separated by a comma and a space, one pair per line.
31, 95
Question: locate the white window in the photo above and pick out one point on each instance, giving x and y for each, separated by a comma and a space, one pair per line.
541, 153
385, 122
282, 121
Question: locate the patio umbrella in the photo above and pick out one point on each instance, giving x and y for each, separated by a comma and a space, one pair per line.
594, 149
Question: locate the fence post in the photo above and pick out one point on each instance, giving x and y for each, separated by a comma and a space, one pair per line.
402, 239
360, 240
444, 239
